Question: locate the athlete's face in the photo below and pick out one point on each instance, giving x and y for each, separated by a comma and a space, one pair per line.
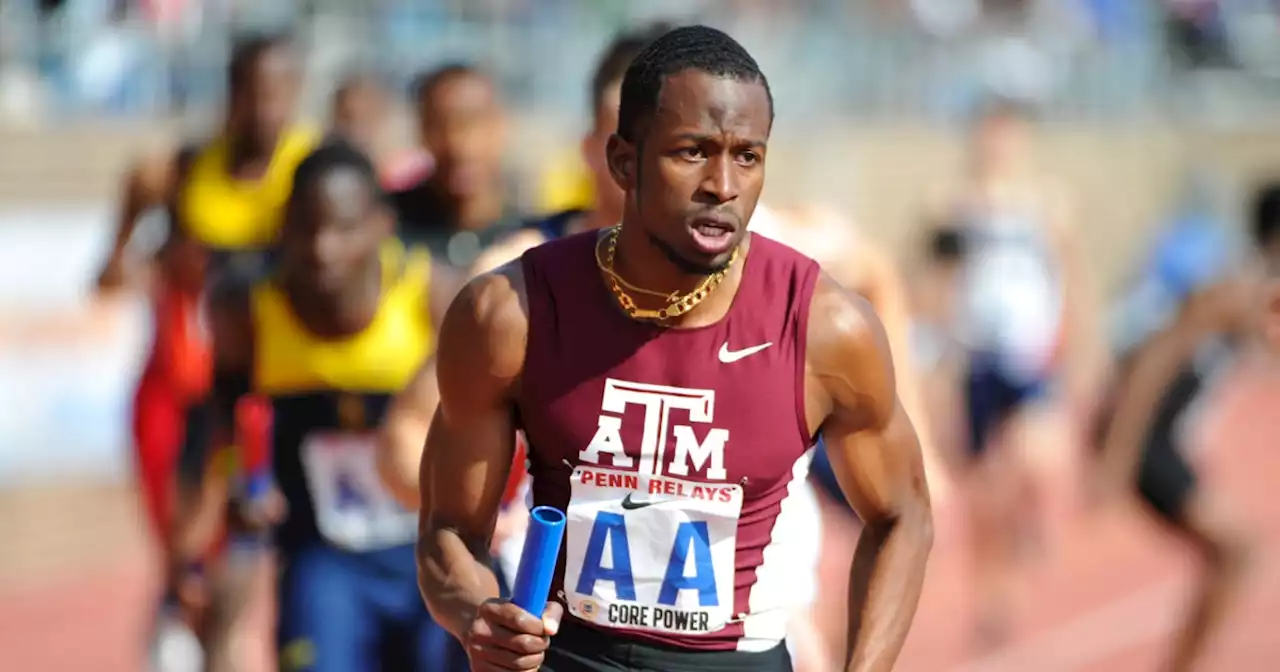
334, 231
464, 128
1001, 141
360, 112
609, 198
269, 99
695, 175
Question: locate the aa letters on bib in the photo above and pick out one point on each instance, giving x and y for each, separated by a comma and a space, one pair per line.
353, 510
649, 552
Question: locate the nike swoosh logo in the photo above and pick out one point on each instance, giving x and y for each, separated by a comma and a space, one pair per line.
728, 356
630, 505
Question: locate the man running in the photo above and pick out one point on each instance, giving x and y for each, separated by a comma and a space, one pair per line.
606, 207
464, 205
361, 114
345, 322
610, 350
1017, 293
607, 210
223, 199
1161, 382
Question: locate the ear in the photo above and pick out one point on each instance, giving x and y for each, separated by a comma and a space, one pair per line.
622, 159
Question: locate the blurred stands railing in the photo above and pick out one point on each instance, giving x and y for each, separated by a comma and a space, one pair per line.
1091, 60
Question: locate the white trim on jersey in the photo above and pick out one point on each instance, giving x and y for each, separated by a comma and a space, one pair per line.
786, 579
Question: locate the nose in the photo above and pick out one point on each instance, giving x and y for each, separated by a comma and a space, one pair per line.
720, 182
322, 249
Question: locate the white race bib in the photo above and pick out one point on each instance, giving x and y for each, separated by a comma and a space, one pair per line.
651, 552
353, 509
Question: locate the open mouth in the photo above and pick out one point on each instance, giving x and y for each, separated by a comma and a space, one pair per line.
712, 236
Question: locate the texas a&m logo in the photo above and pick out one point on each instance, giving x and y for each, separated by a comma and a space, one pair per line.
646, 550
658, 401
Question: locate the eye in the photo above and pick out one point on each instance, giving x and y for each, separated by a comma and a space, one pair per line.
748, 158
691, 153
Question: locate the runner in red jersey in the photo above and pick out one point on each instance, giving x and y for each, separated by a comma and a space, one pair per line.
177, 374
671, 375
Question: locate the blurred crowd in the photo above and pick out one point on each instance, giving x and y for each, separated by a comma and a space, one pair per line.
1081, 58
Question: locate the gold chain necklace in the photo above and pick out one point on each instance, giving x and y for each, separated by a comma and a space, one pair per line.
677, 305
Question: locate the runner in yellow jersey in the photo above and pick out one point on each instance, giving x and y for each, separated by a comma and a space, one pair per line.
224, 199
339, 327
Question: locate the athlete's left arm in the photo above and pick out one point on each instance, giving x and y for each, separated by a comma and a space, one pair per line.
875, 455
1082, 350
404, 428
882, 285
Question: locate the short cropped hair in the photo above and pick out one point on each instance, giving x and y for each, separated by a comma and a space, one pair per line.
697, 48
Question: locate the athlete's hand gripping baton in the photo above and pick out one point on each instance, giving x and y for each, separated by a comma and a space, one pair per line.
538, 559
253, 436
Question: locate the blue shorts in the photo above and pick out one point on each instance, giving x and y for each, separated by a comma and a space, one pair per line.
343, 611
822, 474
992, 395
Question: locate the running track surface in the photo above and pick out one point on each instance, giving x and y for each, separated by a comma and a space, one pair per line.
1105, 597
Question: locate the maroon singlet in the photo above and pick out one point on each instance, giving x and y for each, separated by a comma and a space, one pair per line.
676, 453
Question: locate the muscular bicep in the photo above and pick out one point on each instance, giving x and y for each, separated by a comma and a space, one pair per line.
472, 437
404, 433
872, 445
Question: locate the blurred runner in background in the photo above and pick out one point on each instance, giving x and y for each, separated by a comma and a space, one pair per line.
224, 197
326, 341
1018, 289
604, 209
362, 113
465, 204
1147, 433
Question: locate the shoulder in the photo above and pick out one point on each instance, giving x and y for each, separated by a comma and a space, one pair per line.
491, 308
847, 348
1223, 307
840, 320
156, 173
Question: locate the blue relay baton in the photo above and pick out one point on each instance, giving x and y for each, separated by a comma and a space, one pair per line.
538, 559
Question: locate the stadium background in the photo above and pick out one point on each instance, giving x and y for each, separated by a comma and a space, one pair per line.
872, 97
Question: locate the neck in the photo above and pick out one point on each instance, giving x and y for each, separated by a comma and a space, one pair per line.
643, 264
474, 212
338, 314
997, 171
594, 220
244, 153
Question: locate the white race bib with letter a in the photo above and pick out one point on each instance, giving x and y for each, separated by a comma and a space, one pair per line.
353, 509
649, 552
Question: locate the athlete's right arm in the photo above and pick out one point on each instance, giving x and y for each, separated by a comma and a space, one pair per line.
1213, 311
147, 185
205, 460
465, 467
882, 286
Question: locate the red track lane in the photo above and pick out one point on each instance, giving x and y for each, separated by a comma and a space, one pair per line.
1104, 599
